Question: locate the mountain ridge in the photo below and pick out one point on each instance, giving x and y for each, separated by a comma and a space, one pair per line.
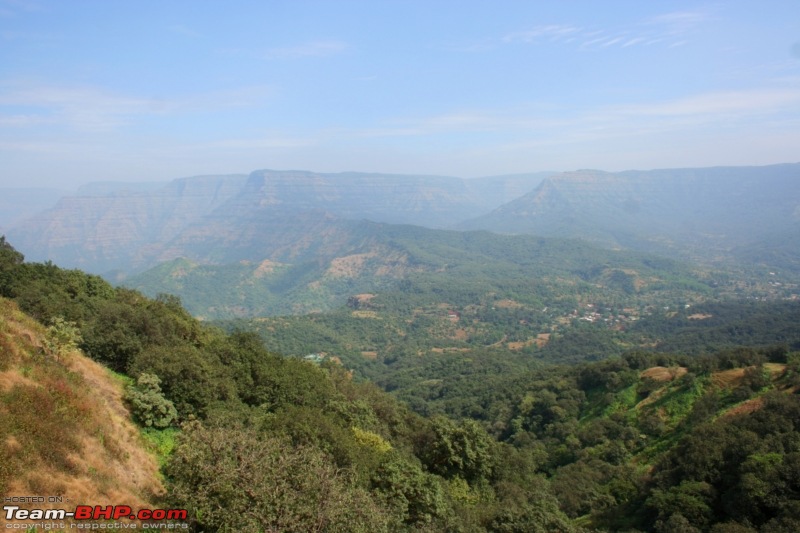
668, 210
130, 230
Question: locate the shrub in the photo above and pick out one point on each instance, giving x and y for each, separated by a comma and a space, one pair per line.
149, 406
63, 337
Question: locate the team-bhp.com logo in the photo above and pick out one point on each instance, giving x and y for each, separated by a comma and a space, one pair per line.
97, 512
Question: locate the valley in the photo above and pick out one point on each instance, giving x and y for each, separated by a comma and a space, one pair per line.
400, 267
480, 439
561, 372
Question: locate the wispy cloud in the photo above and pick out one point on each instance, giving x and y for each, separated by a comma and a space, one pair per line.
678, 22
710, 110
277, 141
750, 102
84, 108
180, 29
250, 96
9, 8
631, 42
669, 29
62, 148
551, 32
90, 108
22, 121
309, 49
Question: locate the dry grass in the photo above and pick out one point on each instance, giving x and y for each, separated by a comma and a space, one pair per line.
540, 341
728, 379
19, 335
64, 429
265, 268
652, 398
746, 407
450, 349
662, 373
507, 304
11, 378
349, 266
733, 377
365, 314
775, 369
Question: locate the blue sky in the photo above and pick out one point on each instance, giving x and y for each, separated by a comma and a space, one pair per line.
153, 90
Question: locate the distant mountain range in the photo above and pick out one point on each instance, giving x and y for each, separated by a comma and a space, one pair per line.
747, 214
284, 214
120, 229
695, 213
18, 204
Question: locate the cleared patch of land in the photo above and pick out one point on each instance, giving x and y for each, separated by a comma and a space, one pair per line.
662, 373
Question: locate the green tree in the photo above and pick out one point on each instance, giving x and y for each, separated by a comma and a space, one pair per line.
238, 480
461, 449
191, 378
690, 501
10, 259
415, 497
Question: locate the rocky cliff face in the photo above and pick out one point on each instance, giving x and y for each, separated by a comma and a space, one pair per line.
431, 201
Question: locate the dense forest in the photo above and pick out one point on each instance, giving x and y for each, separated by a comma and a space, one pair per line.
663, 439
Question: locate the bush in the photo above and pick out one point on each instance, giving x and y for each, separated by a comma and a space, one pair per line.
239, 480
62, 338
149, 406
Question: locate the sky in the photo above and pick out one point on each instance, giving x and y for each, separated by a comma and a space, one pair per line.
143, 90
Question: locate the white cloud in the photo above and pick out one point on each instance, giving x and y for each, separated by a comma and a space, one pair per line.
22, 121
551, 32
672, 29
750, 102
549, 125
678, 22
633, 41
257, 143
310, 49
84, 108
614, 40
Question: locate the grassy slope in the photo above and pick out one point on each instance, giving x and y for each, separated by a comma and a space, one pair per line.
64, 430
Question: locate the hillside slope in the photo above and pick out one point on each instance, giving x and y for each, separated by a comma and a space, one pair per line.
64, 430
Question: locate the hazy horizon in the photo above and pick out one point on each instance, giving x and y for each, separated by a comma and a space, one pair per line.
97, 91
